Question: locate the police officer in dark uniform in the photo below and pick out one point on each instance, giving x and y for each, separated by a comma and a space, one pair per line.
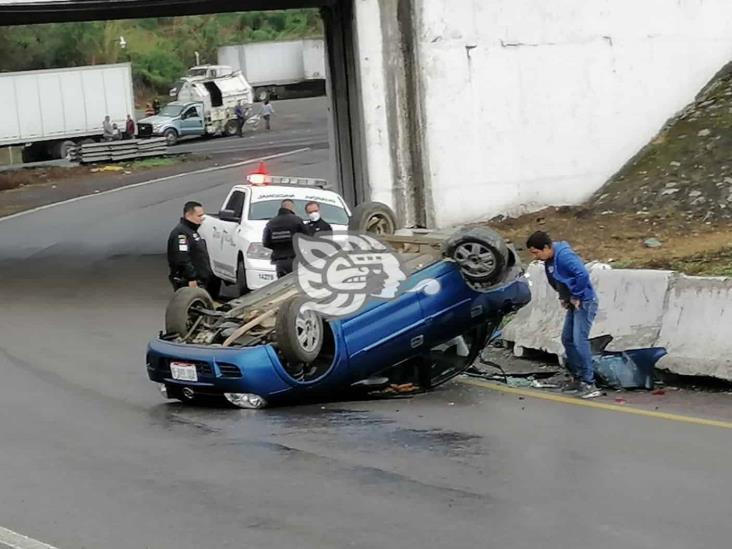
278, 235
316, 224
187, 254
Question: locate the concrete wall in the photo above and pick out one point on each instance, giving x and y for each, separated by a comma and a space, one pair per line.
384, 58
691, 317
525, 103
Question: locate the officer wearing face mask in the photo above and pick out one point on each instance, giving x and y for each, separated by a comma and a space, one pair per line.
316, 224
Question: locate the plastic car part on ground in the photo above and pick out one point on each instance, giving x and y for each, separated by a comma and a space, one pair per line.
631, 369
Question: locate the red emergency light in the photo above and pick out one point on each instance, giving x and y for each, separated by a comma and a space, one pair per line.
260, 176
257, 179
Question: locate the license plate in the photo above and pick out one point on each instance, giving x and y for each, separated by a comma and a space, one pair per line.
183, 371
266, 276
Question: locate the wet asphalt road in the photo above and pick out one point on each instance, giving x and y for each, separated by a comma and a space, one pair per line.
92, 456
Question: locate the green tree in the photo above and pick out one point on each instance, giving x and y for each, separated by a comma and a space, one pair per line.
160, 49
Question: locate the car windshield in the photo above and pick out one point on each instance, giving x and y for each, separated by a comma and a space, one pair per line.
197, 72
171, 110
267, 209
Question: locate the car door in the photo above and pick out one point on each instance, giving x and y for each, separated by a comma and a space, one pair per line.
449, 309
220, 241
230, 231
384, 333
191, 122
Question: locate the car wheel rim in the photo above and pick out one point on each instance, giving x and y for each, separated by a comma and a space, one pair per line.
475, 259
379, 224
308, 330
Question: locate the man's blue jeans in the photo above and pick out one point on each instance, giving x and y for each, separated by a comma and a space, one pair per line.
576, 340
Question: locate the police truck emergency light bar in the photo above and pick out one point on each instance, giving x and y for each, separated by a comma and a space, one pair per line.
260, 179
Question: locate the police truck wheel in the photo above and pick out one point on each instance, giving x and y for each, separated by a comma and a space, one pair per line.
241, 278
171, 136
181, 311
299, 334
373, 217
480, 253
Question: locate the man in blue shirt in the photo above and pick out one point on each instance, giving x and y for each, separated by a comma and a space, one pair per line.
567, 274
240, 119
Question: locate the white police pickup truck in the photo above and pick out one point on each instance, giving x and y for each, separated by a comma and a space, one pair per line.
234, 235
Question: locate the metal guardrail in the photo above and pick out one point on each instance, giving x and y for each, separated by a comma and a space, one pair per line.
115, 151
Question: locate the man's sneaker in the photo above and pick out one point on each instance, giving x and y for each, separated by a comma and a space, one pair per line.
571, 386
588, 390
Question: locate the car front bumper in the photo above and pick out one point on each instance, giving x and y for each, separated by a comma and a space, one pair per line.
255, 370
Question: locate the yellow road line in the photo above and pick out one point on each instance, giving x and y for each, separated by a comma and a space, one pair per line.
533, 393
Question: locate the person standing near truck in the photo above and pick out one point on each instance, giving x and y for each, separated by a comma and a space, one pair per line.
567, 274
267, 112
107, 129
130, 128
187, 253
279, 234
240, 119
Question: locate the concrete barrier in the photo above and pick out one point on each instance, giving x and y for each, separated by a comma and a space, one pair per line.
690, 316
697, 327
539, 324
631, 307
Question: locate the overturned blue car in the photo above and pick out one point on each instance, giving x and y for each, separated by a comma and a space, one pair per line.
360, 313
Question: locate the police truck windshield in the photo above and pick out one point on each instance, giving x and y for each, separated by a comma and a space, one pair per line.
267, 209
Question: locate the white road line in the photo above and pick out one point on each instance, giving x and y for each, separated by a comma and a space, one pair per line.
150, 181
19, 541
251, 146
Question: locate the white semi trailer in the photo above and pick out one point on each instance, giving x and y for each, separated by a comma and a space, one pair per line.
50, 111
275, 68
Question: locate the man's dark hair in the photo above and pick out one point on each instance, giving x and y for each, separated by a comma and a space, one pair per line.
190, 206
311, 203
287, 204
539, 240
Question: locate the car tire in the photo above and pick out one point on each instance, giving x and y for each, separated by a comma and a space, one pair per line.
241, 278
63, 149
171, 136
373, 217
299, 335
481, 254
178, 318
231, 128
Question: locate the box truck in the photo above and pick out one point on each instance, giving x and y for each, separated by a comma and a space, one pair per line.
51, 111
276, 68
